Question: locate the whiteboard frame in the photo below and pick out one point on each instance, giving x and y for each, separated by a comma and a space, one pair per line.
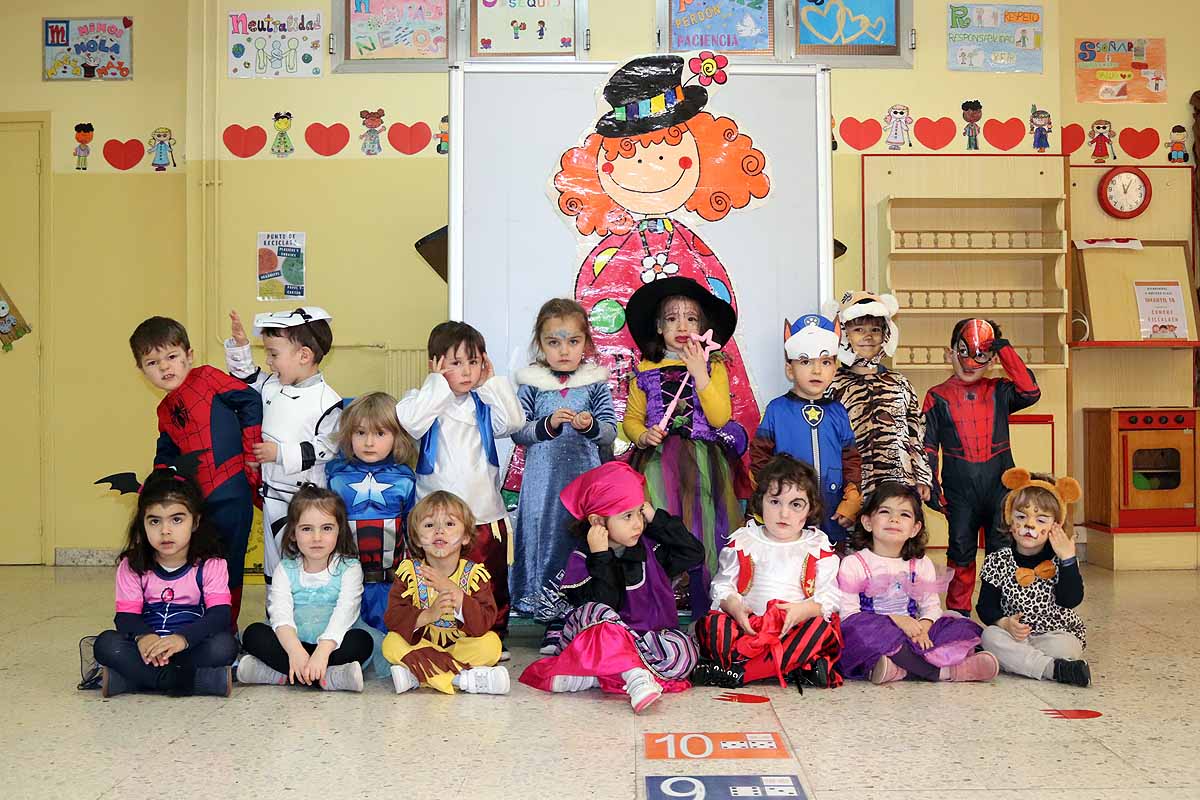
458, 77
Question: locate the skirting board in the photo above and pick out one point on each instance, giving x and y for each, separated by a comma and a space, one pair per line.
85, 556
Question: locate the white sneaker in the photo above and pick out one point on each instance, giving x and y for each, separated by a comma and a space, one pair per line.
484, 680
505, 655
251, 670
343, 678
573, 683
403, 679
642, 689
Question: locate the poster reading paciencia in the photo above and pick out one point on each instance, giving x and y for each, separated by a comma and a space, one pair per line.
523, 27
397, 29
281, 265
1121, 70
98, 48
994, 38
740, 26
275, 44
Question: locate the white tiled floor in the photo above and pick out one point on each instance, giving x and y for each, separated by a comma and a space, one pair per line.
942, 742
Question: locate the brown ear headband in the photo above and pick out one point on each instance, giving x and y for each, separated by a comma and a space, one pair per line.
1066, 489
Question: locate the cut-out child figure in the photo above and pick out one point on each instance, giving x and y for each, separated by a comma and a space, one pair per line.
1176, 145
812, 427
300, 410
1040, 126
84, 132
541, 29
972, 112
966, 418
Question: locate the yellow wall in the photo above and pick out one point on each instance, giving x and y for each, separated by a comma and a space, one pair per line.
125, 246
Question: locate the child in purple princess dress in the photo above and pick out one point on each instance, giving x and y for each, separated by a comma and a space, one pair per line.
892, 621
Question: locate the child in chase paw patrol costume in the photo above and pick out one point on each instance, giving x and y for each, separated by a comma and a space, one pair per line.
812, 427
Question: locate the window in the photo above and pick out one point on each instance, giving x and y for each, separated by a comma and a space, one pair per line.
526, 28
731, 27
391, 36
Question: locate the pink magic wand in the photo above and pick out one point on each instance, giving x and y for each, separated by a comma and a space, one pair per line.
709, 346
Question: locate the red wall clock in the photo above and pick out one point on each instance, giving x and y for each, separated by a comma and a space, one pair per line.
1124, 192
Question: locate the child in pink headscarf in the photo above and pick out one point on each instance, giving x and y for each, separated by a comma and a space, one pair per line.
622, 634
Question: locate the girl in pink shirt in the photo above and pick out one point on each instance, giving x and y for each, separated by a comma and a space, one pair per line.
172, 599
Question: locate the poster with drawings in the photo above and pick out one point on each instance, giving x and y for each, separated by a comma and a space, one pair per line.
994, 38
281, 265
93, 48
396, 29
522, 27
275, 44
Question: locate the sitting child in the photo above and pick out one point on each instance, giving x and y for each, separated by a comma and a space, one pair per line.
622, 633
312, 602
891, 617
1029, 591
441, 609
173, 622
775, 597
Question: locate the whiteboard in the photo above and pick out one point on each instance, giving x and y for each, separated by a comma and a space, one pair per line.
510, 249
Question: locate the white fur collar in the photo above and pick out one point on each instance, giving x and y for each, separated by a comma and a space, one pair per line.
541, 377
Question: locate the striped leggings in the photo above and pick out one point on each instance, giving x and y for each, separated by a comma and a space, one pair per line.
814, 638
669, 653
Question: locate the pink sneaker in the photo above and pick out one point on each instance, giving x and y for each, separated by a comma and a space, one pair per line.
981, 666
886, 671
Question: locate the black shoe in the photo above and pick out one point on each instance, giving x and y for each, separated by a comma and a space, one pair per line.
708, 673
1076, 673
816, 676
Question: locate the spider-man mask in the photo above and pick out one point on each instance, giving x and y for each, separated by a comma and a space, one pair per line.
974, 345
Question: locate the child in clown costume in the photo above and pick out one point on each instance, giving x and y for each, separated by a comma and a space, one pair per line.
806, 424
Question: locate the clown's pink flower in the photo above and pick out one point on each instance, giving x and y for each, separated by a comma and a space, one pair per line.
709, 67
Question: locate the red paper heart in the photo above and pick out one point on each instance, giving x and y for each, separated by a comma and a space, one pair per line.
1072, 138
327, 141
124, 155
127, 22
409, 140
244, 142
860, 135
1139, 144
1004, 135
935, 134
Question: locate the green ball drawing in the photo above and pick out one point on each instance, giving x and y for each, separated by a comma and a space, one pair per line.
607, 316
293, 270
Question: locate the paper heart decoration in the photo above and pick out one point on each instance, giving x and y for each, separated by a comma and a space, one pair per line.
1072, 138
409, 139
1004, 135
935, 134
124, 155
860, 135
843, 26
127, 22
327, 141
244, 142
1139, 144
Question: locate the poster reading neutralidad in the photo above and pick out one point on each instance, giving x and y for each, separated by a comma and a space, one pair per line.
1121, 70
516, 28
994, 38
275, 44
397, 29
281, 265
95, 48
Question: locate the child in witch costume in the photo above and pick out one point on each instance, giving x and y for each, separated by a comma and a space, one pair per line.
883, 406
966, 419
775, 598
679, 415
809, 426
623, 633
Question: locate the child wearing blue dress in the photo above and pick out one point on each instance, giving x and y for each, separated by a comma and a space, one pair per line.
570, 425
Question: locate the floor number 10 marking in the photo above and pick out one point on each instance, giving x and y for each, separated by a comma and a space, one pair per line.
690, 745
720, 744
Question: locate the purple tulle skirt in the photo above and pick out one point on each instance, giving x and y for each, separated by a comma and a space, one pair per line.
868, 636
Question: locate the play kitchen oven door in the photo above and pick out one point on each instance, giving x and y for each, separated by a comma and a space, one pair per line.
1158, 459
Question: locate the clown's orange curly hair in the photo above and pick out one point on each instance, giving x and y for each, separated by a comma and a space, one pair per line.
731, 170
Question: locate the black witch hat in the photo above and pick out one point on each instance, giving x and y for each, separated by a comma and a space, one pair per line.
647, 94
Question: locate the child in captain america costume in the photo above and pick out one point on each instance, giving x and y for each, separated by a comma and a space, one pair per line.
812, 427
215, 416
966, 418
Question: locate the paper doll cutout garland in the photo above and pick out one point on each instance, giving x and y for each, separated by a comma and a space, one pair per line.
653, 153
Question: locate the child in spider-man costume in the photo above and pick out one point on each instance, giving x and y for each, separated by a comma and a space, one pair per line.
966, 417
208, 412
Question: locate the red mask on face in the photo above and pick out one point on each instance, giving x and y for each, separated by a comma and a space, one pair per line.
974, 345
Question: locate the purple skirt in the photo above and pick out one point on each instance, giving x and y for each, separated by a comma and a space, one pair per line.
868, 636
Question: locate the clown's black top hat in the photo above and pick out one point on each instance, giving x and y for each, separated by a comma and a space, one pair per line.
647, 94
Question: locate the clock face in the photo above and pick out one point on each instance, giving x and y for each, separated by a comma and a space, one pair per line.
1125, 192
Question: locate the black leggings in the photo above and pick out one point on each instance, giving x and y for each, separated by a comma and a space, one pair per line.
261, 642
119, 651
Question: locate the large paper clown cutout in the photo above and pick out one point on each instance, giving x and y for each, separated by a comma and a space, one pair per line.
654, 156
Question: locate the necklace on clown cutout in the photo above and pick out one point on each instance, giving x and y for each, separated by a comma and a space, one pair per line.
655, 265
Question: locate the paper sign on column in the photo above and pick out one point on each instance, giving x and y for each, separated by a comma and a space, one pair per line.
281, 265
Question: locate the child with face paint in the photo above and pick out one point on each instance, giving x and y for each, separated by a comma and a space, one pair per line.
1030, 590
622, 634
966, 419
883, 406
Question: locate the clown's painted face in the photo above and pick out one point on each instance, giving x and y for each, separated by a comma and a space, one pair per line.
1031, 528
658, 179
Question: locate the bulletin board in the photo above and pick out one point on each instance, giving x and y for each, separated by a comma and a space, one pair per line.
1107, 279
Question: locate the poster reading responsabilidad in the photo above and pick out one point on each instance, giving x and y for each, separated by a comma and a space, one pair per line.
281, 265
1121, 70
275, 44
994, 38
